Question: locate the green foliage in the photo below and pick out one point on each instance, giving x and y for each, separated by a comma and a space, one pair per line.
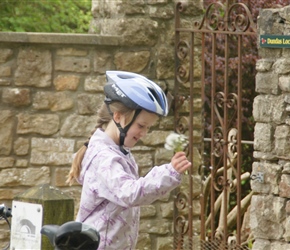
61, 16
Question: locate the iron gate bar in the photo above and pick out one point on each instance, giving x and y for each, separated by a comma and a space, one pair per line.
221, 143
190, 217
212, 208
239, 139
202, 216
242, 141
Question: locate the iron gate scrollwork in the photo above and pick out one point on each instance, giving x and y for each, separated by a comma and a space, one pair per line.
222, 206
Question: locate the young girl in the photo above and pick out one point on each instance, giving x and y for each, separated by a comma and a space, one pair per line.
112, 190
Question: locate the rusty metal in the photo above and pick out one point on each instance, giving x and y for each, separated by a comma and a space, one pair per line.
225, 174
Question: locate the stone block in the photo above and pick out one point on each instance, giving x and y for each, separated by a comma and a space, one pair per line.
165, 63
144, 242
269, 22
162, 156
5, 54
6, 162
138, 31
261, 244
167, 210
280, 245
16, 97
44, 124
286, 166
11, 177
66, 82
164, 243
95, 84
196, 183
144, 159
284, 84
4, 82
72, 64
264, 65
9, 194
5, 71
282, 137
269, 108
287, 229
34, 67
155, 138
147, 211
61, 176
282, 66
132, 61
21, 146
51, 151
267, 216
267, 83
7, 123
160, 227
78, 125
284, 186
271, 174
163, 12
88, 104
263, 137
135, 8
54, 101
21, 163
269, 156
103, 61
69, 51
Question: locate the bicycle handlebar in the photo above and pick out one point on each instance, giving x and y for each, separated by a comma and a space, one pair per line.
5, 212
72, 235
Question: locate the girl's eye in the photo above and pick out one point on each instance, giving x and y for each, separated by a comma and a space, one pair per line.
140, 126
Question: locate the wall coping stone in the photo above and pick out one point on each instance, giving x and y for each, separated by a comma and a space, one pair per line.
59, 38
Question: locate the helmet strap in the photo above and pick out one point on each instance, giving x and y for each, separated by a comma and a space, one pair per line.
123, 131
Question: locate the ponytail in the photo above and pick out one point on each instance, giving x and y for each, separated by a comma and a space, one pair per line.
75, 169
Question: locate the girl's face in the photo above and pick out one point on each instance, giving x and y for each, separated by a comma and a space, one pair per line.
139, 128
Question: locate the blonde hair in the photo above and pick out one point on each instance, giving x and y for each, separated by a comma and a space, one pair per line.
103, 119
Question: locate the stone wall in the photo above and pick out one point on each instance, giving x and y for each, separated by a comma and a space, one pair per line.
50, 89
270, 206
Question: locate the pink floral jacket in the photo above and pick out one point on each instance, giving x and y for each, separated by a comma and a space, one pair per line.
112, 191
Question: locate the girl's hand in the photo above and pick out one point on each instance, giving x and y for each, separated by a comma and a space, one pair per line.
180, 162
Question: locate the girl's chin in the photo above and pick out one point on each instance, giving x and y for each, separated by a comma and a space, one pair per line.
130, 145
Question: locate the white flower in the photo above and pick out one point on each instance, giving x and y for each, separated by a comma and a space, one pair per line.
176, 142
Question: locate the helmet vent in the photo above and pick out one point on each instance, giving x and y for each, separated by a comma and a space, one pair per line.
125, 76
153, 94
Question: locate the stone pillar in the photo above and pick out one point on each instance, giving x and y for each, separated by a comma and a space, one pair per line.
146, 28
58, 208
270, 206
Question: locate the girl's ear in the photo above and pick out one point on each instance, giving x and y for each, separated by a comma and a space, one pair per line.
117, 117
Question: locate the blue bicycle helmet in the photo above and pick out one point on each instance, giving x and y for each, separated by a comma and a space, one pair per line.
136, 92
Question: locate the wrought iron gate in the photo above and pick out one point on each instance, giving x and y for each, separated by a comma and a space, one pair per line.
200, 59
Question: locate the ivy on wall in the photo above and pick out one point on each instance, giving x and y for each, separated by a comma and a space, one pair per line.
58, 16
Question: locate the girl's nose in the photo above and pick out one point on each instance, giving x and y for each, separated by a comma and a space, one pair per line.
143, 132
